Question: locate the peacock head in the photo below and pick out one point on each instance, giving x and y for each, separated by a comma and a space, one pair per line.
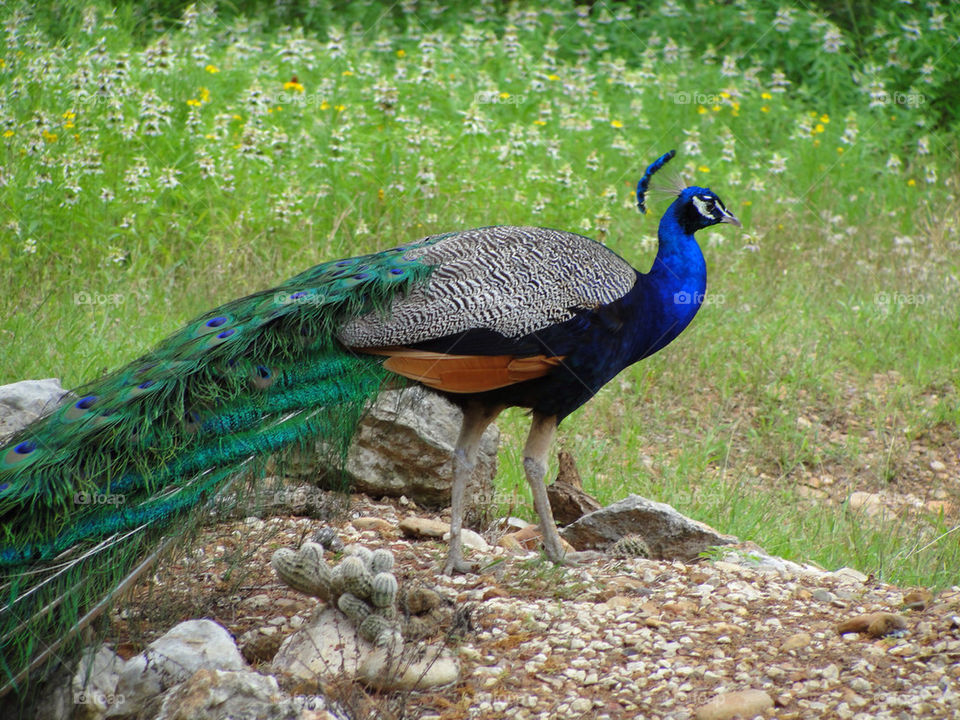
695, 207
698, 207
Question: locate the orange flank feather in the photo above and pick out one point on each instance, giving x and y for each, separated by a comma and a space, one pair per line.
463, 373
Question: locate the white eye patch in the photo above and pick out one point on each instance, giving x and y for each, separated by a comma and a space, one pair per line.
701, 206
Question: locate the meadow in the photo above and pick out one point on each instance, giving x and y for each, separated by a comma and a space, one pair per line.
157, 162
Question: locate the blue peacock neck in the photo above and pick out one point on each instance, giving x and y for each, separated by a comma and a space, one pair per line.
675, 286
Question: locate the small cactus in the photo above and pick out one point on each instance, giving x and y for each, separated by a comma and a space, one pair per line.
353, 607
304, 570
383, 589
356, 577
359, 551
373, 625
381, 562
630, 546
363, 587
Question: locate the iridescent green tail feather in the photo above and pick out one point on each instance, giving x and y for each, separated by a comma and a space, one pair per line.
128, 460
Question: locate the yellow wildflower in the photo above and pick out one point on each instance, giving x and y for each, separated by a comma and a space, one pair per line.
824, 118
193, 102
347, 73
339, 108
49, 136
204, 95
766, 96
210, 136
818, 128
703, 169
504, 95
68, 115
212, 69
237, 117
816, 142
401, 53
293, 85
747, 202
8, 134
764, 109
324, 105
701, 110
553, 77
715, 108
616, 124
724, 94
539, 122
69, 124
840, 151
911, 182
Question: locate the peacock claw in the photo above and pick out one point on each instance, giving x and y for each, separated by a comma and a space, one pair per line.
582, 557
458, 565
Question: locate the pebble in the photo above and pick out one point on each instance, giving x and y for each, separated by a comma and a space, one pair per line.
424, 527
823, 595
745, 703
795, 642
937, 466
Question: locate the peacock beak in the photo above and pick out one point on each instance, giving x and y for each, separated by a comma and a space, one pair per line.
728, 217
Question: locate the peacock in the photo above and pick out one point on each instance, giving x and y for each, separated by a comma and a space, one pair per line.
491, 317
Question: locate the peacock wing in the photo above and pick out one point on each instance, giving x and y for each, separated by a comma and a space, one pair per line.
504, 281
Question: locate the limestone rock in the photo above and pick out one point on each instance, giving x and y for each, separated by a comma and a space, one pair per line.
415, 668
326, 647
23, 402
227, 695
669, 535
404, 446
172, 659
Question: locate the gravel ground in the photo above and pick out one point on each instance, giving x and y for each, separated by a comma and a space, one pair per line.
631, 638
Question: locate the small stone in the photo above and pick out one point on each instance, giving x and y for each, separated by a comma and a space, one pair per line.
581, 705
937, 466
424, 527
745, 703
471, 539
850, 575
823, 595
874, 624
917, 599
795, 642
373, 523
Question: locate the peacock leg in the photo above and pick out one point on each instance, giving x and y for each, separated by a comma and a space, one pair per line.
542, 431
476, 418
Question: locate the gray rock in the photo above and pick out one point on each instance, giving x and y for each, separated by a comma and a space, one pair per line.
327, 647
404, 446
172, 659
415, 668
227, 695
94, 685
669, 535
23, 402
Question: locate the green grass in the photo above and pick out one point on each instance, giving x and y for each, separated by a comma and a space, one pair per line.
845, 273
